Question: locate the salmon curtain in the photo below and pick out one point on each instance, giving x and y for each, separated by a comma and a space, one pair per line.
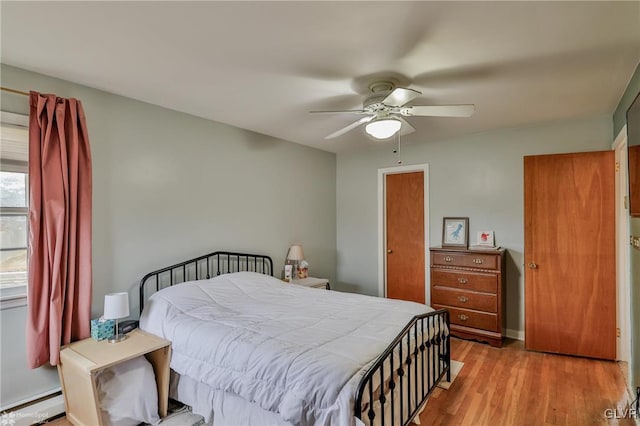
59, 291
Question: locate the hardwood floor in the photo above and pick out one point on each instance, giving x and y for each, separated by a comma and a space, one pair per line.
512, 386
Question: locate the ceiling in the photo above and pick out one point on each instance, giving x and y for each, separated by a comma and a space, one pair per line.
263, 65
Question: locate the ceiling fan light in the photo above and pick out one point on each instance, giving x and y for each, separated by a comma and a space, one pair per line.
384, 128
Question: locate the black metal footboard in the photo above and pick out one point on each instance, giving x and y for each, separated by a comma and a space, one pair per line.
395, 388
204, 267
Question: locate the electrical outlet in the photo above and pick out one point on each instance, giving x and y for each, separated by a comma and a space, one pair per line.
635, 242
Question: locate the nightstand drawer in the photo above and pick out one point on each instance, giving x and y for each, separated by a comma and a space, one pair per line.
476, 281
467, 260
465, 299
469, 318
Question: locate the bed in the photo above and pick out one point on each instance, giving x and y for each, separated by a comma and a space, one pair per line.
250, 349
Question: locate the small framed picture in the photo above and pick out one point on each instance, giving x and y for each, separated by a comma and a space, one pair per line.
455, 232
288, 273
485, 238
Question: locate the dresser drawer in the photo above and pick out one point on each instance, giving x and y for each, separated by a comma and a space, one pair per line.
465, 299
476, 281
467, 260
469, 318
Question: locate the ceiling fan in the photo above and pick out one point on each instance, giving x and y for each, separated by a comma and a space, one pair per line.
385, 108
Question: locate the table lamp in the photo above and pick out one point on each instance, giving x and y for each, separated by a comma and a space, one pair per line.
295, 255
116, 306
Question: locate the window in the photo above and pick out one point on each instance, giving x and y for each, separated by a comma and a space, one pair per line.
13, 229
14, 219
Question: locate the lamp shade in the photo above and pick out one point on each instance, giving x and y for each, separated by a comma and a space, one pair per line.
295, 252
384, 128
116, 305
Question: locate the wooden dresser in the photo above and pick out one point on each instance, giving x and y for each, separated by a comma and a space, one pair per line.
471, 285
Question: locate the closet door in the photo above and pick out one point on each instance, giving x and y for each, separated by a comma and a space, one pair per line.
570, 270
404, 195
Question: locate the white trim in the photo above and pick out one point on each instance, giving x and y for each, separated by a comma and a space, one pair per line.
12, 296
37, 412
514, 334
382, 228
31, 399
623, 289
13, 301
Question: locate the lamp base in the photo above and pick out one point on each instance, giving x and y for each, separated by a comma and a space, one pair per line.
117, 338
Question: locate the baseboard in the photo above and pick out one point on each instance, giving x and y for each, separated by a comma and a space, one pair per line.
514, 334
34, 413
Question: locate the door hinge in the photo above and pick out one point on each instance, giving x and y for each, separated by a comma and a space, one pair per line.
618, 332
626, 202
617, 166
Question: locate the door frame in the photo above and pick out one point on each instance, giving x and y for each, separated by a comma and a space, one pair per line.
623, 278
382, 227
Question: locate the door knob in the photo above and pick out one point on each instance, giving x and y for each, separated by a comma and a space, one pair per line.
532, 265
389, 251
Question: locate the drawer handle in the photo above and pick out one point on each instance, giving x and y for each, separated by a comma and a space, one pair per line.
463, 299
448, 259
478, 261
463, 317
463, 280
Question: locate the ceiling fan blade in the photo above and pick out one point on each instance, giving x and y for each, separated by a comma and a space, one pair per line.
350, 127
400, 96
406, 127
439, 110
349, 111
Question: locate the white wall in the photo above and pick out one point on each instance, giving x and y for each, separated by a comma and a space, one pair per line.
169, 186
478, 176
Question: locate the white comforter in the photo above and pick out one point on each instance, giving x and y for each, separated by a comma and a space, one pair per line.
293, 350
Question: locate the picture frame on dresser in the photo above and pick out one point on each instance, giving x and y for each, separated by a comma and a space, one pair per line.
485, 239
455, 232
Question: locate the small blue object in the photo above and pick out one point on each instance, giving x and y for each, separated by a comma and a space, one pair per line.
102, 330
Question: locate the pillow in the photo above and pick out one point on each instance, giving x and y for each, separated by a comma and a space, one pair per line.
128, 393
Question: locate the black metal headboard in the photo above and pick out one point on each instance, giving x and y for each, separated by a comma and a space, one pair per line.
203, 267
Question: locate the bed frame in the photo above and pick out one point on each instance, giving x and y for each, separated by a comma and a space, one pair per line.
414, 365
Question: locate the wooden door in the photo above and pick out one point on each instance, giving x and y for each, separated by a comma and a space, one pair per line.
405, 236
570, 269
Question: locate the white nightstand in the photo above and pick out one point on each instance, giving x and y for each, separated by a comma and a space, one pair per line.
312, 282
81, 361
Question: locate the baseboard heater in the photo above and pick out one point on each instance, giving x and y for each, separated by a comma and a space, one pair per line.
34, 411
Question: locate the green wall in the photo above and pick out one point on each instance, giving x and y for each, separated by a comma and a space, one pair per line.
619, 120
169, 186
620, 114
478, 176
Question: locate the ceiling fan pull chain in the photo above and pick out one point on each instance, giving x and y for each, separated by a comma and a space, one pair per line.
397, 150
